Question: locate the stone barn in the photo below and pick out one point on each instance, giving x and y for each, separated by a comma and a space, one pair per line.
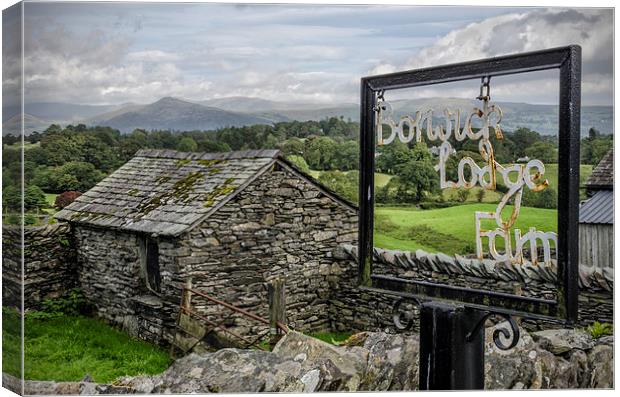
230, 222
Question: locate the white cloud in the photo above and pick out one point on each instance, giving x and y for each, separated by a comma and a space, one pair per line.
528, 31
303, 53
63, 66
152, 56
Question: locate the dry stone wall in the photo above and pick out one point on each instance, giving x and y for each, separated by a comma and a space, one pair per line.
50, 269
112, 278
374, 310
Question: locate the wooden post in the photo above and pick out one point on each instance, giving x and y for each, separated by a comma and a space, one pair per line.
186, 302
277, 309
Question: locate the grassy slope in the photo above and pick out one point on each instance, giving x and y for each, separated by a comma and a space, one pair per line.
51, 199
68, 348
380, 179
457, 222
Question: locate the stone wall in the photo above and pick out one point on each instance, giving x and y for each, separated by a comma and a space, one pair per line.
279, 226
353, 308
49, 264
112, 277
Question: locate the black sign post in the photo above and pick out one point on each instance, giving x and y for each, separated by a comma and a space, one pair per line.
452, 317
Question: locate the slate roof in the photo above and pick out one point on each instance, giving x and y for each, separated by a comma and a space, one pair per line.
598, 209
166, 192
602, 176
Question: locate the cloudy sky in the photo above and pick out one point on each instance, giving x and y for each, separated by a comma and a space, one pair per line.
114, 53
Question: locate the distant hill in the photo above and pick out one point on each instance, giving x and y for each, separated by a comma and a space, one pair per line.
256, 105
57, 111
178, 114
541, 118
101, 119
13, 125
175, 114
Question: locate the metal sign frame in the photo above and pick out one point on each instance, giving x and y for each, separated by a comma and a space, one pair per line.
568, 61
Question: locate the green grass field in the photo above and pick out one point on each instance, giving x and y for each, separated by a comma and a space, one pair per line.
450, 230
67, 348
51, 199
380, 179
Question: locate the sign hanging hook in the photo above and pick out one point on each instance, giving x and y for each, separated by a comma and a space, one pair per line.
380, 99
485, 83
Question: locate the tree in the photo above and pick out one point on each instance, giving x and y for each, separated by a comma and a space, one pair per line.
348, 156
599, 148
79, 176
34, 198
74, 175
320, 153
187, 144
392, 156
524, 138
593, 133
213, 146
417, 177
292, 146
543, 151
12, 198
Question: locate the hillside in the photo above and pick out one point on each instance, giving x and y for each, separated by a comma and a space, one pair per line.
57, 111
31, 123
176, 114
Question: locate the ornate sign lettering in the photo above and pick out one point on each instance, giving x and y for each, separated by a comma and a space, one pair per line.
515, 177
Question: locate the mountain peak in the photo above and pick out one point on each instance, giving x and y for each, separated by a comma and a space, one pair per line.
169, 99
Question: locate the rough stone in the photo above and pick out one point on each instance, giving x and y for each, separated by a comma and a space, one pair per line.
601, 363
365, 362
340, 369
562, 341
392, 362
225, 371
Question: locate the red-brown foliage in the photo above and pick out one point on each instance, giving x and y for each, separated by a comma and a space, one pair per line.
66, 198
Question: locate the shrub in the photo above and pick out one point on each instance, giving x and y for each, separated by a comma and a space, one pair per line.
431, 205
72, 304
547, 198
66, 198
12, 219
500, 187
462, 195
480, 195
598, 330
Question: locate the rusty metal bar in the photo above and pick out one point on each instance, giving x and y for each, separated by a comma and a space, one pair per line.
237, 309
193, 313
